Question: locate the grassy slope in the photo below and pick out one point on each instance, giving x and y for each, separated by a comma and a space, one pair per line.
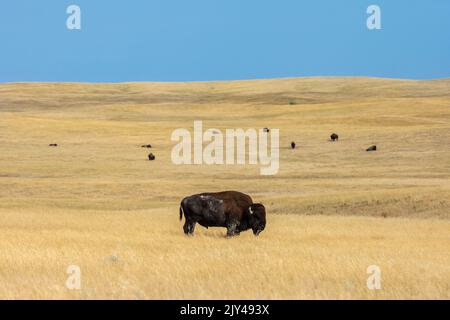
97, 196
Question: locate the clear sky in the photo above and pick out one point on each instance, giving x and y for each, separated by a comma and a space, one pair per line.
192, 40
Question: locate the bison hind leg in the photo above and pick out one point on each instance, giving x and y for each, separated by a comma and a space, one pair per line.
186, 228
189, 227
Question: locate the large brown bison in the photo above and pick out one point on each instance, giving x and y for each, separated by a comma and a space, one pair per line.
230, 209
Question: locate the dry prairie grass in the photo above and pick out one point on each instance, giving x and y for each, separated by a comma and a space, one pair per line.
143, 255
333, 209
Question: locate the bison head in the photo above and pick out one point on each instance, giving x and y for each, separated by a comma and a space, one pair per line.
257, 218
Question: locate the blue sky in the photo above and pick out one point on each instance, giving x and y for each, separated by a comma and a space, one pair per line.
196, 40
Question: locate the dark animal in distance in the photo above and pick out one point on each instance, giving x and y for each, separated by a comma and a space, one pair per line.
334, 137
230, 209
146, 146
53, 145
151, 157
266, 130
292, 145
372, 148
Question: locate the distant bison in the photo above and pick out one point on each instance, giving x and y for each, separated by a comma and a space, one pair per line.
146, 146
266, 130
292, 145
372, 148
334, 137
151, 157
53, 145
230, 209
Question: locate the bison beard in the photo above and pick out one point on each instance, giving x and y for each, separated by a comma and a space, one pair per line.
230, 209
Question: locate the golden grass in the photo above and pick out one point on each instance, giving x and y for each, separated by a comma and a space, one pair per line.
333, 209
143, 254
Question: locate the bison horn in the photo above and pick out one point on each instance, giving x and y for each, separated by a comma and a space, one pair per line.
250, 209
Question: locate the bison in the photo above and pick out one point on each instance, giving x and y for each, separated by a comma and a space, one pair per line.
146, 146
230, 209
53, 145
372, 148
334, 137
292, 145
151, 157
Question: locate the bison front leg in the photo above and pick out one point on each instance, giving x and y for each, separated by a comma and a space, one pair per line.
232, 229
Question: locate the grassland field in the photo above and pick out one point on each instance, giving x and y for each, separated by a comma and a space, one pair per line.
95, 201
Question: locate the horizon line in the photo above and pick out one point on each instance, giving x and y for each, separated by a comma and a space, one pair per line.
226, 80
